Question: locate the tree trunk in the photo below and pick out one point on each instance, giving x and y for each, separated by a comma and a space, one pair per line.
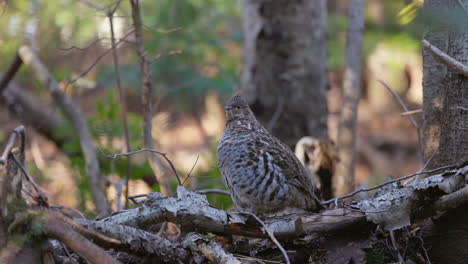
284, 76
445, 104
445, 99
343, 182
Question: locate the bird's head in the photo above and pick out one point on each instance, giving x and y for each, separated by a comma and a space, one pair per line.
237, 108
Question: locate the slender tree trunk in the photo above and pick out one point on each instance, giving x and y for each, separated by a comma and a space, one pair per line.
445, 126
343, 181
445, 101
284, 74
157, 165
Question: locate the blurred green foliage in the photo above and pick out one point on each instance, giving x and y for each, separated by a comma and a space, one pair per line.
195, 46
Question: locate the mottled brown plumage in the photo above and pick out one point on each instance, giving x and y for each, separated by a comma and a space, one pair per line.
262, 174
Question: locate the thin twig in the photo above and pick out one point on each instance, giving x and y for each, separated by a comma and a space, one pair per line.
411, 112
410, 117
42, 199
121, 99
11, 143
84, 73
61, 207
400, 101
276, 115
272, 236
462, 108
424, 249
395, 246
133, 198
67, 252
113, 156
215, 191
93, 5
190, 173
443, 57
387, 183
158, 167
462, 5
92, 44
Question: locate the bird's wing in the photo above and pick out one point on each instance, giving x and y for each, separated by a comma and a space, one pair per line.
289, 165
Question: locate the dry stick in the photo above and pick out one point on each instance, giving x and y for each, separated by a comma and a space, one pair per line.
12, 69
410, 117
272, 236
61, 231
42, 199
121, 99
450, 62
84, 73
276, 115
113, 156
93, 5
81, 229
215, 191
156, 164
387, 183
410, 112
191, 170
343, 181
11, 143
73, 112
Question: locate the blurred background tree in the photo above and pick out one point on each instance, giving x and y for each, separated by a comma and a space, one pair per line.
196, 47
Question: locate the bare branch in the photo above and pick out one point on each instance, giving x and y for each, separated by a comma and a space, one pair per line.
113, 156
410, 117
93, 5
10, 73
191, 170
156, 164
75, 241
272, 237
343, 180
443, 57
216, 191
387, 183
42, 199
121, 100
84, 73
18, 131
210, 249
75, 115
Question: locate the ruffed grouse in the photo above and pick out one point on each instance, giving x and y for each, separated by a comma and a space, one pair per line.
262, 174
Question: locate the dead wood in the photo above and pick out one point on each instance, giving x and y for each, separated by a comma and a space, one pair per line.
74, 114
393, 209
160, 170
29, 111
343, 180
127, 234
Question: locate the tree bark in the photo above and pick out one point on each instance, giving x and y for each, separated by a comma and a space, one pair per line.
445, 100
284, 75
445, 125
160, 170
343, 180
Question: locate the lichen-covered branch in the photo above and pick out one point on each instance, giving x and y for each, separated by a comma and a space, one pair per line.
393, 209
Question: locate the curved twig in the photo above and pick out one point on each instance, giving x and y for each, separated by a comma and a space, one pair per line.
113, 156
